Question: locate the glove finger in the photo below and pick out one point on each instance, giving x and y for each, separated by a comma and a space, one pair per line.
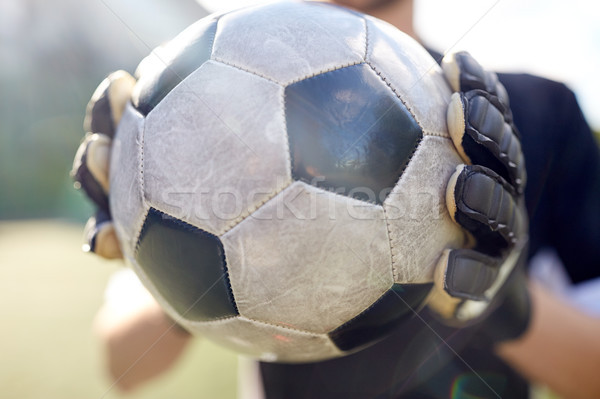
90, 168
469, 274
464, 73
486, 206
100, 237
98, 158
498, 293
105, 109
461, 276
482, 135
468, 285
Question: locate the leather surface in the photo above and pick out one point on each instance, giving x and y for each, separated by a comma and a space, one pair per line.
265, 341
214, 152
309, 259
126, 200
418, 221
399, 303
349, 133
168, 66
187, 267
412, 73
307, 40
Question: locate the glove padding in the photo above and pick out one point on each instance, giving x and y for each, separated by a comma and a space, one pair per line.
485, 197
91, 165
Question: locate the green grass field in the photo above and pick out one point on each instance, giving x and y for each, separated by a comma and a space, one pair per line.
49, 293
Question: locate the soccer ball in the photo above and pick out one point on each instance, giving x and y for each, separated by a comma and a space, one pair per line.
278, 180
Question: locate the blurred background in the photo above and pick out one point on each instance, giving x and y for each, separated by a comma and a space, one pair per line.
52, 56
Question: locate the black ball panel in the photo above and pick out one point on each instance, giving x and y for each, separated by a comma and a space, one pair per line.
391, 310
183, 55
349, 132
187, 266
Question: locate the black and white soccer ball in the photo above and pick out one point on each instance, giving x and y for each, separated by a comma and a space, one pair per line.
278, 180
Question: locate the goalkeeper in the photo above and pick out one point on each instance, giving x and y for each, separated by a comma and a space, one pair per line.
541, 339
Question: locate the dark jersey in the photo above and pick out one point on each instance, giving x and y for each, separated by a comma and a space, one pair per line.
563, 166
427, 360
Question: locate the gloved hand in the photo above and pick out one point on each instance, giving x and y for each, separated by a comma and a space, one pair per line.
92, 160
485, 283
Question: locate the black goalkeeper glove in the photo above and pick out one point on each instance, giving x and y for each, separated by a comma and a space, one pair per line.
485, 283
91, 164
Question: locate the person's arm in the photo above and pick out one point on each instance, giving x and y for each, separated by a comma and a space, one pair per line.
561, 348
140, 341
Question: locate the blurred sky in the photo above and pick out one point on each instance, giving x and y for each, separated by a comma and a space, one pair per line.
54, 53
52, 56
557, 39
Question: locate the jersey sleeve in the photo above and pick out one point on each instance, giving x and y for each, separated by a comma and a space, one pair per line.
575, 198
563, 166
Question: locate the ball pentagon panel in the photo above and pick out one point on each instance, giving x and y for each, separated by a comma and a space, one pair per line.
188, 267
349, 133
391, 310
168, 65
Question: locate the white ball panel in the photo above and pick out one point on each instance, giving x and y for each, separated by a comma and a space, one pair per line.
309, 259
267, 342
309, 40
409, 69
418, 221
126, 201
216, 147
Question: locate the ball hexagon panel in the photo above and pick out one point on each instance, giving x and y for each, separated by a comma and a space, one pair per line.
169, 65
349, 133
309, 40
267, 342
309, 259
418, 221
126, 199
188, 267
215, 148
412, 73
